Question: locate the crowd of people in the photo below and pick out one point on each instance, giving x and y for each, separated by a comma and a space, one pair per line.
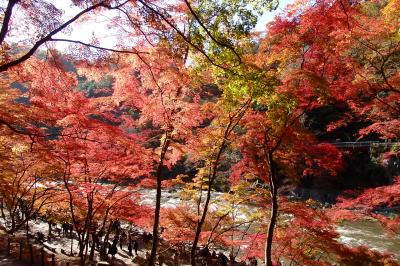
207, 258
124, 239
132, 240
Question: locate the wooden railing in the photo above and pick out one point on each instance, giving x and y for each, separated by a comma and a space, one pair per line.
364, 144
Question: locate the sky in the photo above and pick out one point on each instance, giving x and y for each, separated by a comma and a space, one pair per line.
269, 16
84, 32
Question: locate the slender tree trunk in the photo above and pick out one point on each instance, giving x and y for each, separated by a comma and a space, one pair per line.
274, 209
154, 246
6, 19
200, 225
274, 184
231, 125
27, 229
207, 202
86, 246
271, 227
72, 244
103, 249
2, 209
71, 207
91, 255
82, 246
87, 227
49, 223
12, 224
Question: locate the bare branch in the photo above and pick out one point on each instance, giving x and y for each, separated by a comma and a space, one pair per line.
6, 20
49, 36
210, 35
180, 33
134, 51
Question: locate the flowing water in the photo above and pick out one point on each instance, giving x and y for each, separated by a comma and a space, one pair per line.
352, 233
369, 233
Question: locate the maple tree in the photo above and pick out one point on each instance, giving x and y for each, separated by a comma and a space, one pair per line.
351, 49
85, 148
303, 241
26, 182
272, 157
212, 150
317, 50
158, 19
147, 20
172, 108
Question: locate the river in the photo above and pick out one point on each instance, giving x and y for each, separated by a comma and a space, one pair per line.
352, 233
369, 233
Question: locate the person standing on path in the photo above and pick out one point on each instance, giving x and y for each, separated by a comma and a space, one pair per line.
176, 258
135, 246
130, 249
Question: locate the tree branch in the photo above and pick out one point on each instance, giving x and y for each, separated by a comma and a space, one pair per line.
6, 20
49, 36
97, 47
210, 35
180, 33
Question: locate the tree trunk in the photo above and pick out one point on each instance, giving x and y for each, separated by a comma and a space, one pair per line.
200, 225
27, 229
81, 245
91, 255
274, 210
104, 246
81, 237
49, 223
72, 244
12, 230
2, 209
210, 185
86, 245
154, 246
271, 227
231, 125
87, 227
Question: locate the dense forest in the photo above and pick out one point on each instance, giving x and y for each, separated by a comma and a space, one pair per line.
265, 144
